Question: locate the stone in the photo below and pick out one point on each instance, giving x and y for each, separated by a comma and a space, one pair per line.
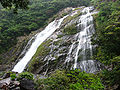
14, 85
26, 84
4, 86
6, 75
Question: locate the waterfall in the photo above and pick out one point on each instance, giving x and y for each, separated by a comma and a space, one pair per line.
84, 50
76, 55
40, 37
86, 23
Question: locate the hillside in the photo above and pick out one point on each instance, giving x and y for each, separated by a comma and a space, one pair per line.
13, 26
64, 45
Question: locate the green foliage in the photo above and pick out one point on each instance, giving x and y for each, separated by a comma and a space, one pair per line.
107, 31
69, 18
107, 39
57, 81
71, 80
13, 76
112, 77
70, 30
13, 26
21, 4
81, 80
41, 52
26, 75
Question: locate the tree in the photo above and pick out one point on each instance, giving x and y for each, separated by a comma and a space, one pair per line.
15, 4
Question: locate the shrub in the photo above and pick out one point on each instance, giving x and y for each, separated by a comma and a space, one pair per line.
81, 81
57, 81
71, 80
26, 75
13, 76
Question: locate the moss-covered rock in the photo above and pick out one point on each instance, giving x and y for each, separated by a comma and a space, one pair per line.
70, 30
38, 58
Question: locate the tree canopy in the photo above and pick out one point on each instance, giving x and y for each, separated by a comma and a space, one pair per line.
16, 4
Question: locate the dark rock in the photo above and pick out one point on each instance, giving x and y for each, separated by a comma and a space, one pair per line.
26, 84
4, 86
6, 75
118, 88
14, 85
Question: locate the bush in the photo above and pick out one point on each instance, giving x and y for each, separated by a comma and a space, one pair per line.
81, 80
71, 80
57, 81
26, 75
13, 76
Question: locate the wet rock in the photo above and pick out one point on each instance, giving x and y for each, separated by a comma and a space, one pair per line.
26, 84
3, 86
6, 75
14, 85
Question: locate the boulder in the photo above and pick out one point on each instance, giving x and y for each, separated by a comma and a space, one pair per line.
6, 75
3, 86
26, 84
14, 85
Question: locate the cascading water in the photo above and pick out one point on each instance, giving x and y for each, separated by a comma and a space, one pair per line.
84, 43
84, 50
64, 54
42, 36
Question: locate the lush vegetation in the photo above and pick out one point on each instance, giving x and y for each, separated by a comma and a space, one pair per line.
62, 80
70, 80
13, 26
37, 59
21, 76
70, 30
15, 5
107, 39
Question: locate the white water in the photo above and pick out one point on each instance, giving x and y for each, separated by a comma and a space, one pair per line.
42, 36
84, 36
84, 50
69, 53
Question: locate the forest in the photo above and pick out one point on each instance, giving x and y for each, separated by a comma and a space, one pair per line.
107, 35
14, 25
22, 20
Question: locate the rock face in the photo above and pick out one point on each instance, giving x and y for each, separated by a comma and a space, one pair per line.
68, 46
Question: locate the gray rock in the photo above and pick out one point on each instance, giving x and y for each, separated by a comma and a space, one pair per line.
26, 84
3, 86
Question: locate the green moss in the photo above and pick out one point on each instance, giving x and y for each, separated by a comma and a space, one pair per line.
61, 35
57, 42
69, 18
70, 30
79, 8
41, 52
76, 15
64, 14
